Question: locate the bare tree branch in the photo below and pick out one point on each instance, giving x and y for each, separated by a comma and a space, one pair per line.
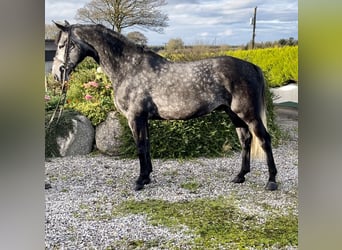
120, 14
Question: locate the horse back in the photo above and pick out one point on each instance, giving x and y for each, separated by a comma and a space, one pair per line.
187, 90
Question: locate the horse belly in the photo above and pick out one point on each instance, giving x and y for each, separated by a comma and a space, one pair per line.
187, 91
170, 108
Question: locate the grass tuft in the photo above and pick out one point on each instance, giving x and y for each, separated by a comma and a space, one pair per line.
219, 223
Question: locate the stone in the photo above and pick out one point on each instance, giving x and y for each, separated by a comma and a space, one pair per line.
108, 134
79, 137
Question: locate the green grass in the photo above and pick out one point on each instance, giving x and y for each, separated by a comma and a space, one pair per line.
191, 185
218, 222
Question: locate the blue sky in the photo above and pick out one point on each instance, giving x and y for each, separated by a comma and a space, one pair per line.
207, 22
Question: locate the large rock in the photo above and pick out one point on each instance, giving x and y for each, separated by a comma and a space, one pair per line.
107, 135
73, 135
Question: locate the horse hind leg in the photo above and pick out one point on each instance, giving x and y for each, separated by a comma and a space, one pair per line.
261, 142
245, 139
256, 143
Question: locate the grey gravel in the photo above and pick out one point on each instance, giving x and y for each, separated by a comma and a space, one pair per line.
82, 192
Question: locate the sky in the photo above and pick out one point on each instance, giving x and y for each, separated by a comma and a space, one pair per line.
212, 22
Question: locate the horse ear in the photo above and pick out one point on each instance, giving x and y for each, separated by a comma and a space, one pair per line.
66, 23
61, 26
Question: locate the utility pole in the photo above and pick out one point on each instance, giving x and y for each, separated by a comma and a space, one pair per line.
253, 22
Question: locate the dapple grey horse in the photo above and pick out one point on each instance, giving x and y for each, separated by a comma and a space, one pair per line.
147, 86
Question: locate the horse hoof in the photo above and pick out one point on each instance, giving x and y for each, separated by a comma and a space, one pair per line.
238, 179
271, 185
138, 187
140, 183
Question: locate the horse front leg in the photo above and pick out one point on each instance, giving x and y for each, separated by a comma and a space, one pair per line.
139, 128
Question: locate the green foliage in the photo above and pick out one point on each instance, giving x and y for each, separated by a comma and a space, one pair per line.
52, 93
51, 101
278, 64
90, 92
191, 185
207, 136
218, 223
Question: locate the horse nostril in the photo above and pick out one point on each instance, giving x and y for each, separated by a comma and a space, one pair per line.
61, 68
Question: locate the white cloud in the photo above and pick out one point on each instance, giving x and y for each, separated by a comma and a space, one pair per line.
227, 32
60, 10
204, 34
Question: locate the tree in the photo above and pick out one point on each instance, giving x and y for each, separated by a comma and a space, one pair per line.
137, 37
282, 42
120, 14
174, 44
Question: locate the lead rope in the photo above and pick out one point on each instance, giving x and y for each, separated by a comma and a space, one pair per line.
62, 98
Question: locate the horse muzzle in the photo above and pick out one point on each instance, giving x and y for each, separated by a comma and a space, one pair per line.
63, 73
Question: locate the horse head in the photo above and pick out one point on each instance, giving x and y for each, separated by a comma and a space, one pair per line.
71, 50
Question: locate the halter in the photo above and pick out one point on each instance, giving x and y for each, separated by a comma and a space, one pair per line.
66, 67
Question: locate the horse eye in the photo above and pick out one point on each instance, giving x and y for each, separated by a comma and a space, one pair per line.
61, 46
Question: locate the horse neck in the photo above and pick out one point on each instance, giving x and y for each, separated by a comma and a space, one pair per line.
114, 56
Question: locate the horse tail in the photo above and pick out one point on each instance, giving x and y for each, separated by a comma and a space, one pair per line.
257, 151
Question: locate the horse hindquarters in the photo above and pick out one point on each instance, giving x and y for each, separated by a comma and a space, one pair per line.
140, 132
248, 111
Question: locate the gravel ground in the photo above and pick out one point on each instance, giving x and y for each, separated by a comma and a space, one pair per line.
81, 192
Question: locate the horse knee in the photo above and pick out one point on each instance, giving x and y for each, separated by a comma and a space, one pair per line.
266, 143
247, 143
245, 138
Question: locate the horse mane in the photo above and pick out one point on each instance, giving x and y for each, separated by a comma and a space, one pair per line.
130, 45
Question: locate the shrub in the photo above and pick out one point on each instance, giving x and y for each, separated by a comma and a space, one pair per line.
52, 93
207, 136
278, 64
90, 92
